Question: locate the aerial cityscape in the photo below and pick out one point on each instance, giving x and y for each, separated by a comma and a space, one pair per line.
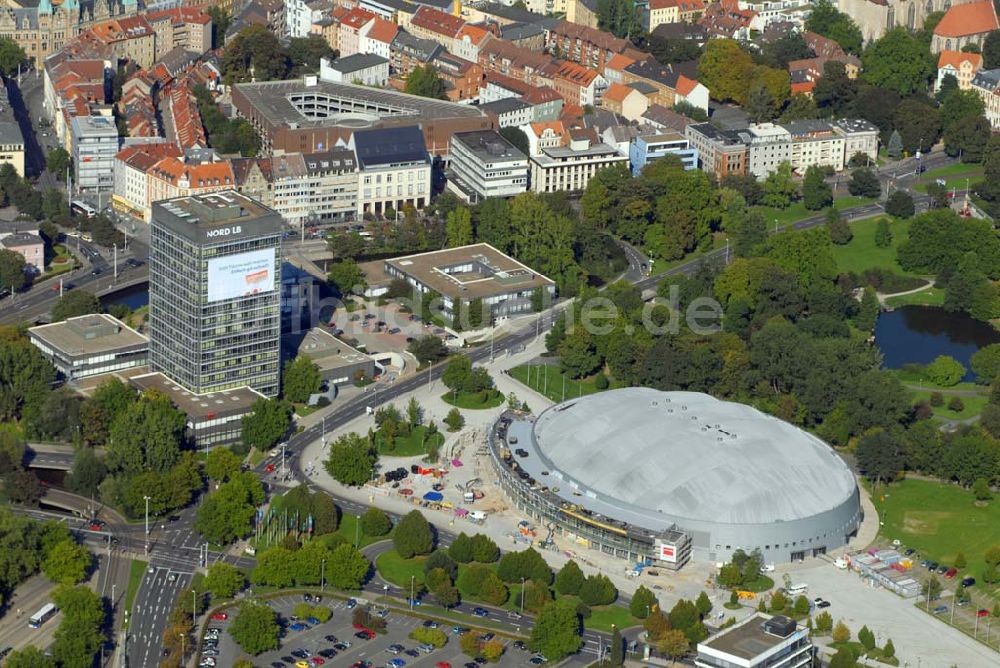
442, 334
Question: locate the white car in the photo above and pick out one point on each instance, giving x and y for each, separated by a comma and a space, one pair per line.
274, 453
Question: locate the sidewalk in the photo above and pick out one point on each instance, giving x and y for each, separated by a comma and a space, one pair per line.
502, 521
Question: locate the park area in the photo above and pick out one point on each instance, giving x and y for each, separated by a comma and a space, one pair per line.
939, 520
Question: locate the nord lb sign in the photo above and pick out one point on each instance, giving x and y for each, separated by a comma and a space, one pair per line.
224, 231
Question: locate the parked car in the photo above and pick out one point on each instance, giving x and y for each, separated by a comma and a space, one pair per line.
351, 603
298, 626
968, 582
940, 610
982, 613
220, 616
951, 572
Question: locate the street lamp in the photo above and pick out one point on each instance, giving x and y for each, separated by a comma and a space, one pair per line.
412, 577
194, 604
146, 499
522, 595
322, 575
357, 532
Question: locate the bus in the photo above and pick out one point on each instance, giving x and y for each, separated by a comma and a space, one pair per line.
43, 615
81, 207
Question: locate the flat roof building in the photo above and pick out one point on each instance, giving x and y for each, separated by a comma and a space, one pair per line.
484, 164
466, 273
89, 345
213, 419
214, 297
760, 641
95, 145
648, 148
308, 115
338, 362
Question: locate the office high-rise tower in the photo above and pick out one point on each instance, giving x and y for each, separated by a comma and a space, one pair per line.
215, 292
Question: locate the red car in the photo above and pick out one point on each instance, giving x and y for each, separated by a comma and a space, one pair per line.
318, 660
951, 572
220, 616
95, 525
442, 664
983, 613
269, 468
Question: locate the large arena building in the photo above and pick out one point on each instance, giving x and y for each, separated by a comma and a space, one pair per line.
672, 476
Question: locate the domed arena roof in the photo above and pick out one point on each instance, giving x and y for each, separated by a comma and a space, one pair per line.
689, 456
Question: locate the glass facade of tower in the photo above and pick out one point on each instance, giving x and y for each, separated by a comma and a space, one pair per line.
215, 293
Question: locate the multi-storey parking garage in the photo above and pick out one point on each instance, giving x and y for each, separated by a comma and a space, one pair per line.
669, 476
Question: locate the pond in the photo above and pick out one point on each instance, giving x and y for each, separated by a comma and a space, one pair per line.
918, 334
134, 297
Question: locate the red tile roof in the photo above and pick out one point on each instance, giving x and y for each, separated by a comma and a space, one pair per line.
383, 31
973, 18
956, 58
577, 74
685, 85
437, 21
356, 18
617, 92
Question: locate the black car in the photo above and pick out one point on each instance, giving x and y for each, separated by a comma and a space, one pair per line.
968, 582
288, 659
330, 638
307, 598
327, 653
300, 653
277, 664
96, 271
519, 644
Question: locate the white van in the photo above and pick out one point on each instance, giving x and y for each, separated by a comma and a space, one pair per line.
798, 589
477, 515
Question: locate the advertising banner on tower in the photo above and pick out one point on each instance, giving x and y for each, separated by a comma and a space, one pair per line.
241, 275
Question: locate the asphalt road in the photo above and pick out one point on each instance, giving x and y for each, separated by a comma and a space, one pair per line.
177, 548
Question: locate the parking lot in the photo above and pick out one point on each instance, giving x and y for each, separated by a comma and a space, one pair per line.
313, 640
383, 328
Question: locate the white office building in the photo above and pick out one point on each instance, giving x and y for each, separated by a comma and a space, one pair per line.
95, 144
484, 164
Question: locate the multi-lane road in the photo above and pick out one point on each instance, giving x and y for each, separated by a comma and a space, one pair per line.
174, 546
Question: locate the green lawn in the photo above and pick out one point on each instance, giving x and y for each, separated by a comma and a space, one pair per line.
397, 570
349, 529
549, 381
409, 444
473, 401
973, 405
61, 261
951, 170
862, 253
940, 520
930, 297
604, 616
136, 571
798, 211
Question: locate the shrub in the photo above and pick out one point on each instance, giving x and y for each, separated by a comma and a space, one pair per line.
937, 399
955, 404
841, 633
435, 637
601, 382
